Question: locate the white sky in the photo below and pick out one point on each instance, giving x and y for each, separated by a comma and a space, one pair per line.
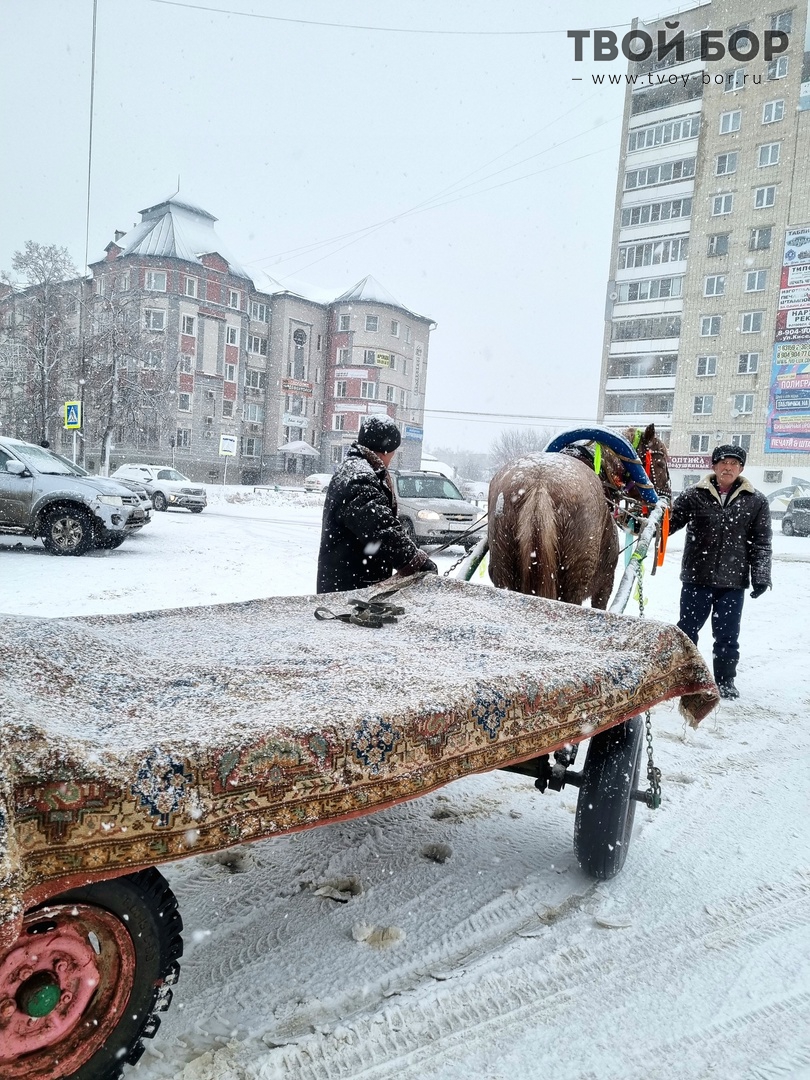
293, 134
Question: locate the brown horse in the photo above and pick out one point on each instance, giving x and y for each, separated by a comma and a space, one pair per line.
551, 527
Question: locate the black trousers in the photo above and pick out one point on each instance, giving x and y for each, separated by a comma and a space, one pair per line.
725, 607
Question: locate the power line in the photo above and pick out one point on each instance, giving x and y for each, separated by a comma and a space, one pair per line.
376, 29
494, 418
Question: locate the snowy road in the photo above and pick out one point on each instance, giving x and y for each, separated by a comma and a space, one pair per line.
503, 960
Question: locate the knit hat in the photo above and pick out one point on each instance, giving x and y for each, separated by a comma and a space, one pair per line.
379, 433
727, 450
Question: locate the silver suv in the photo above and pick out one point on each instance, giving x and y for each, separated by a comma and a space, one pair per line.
167, 486
432, 509
44, 495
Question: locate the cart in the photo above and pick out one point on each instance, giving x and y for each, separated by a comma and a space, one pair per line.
131, 741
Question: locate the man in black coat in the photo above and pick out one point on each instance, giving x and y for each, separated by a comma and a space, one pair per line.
362, 539
728, 539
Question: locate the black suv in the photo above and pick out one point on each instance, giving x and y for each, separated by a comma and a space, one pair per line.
796, 520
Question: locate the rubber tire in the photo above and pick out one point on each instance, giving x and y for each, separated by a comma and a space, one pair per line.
605, 810
196, 509
87, 539
408, 529
159, 501
787, 528
154, 924
110, 543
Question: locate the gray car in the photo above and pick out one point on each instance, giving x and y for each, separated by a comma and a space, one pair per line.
796, 519
432, 509
44, 495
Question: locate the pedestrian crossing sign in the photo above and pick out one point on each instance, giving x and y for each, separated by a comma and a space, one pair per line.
73, 415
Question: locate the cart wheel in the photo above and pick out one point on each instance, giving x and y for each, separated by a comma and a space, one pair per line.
605, 807
81, 986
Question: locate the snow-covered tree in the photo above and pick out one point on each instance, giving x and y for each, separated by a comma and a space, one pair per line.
514, 443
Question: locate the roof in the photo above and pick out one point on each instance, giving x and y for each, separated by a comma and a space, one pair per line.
175, 229
370, 291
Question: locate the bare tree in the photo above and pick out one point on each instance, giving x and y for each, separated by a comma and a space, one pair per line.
514, 443
39, 353
129, 380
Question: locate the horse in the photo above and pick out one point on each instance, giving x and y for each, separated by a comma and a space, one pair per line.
551, 529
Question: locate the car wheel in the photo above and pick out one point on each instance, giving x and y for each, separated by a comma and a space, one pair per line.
196, 509
787, 527
159, 501
408, 529
67, 530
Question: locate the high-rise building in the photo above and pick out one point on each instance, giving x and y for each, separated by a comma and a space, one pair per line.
708, 313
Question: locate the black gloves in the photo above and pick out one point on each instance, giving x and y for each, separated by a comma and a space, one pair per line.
429, 567
758, 590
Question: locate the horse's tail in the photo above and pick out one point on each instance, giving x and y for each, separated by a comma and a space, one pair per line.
537, 544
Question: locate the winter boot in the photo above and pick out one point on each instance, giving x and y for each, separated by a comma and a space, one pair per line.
724, 672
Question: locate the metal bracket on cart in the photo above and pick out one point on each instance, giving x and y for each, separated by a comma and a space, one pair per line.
555, 776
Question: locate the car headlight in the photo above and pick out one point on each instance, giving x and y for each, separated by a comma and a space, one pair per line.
172, 498
428, 515
111, 500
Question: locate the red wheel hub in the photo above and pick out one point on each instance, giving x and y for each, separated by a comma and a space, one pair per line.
64, 984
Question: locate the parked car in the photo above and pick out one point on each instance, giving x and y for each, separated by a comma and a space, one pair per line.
796, 520
137, 521
45, 495
318, 481
432, 509
167, 486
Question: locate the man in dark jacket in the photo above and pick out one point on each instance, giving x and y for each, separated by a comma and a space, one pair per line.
728, 538
362, 540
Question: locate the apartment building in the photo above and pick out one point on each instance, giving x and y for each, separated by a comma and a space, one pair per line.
708, 310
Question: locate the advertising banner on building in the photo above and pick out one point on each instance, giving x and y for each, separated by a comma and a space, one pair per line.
299, 386
413, 432
787, 429
690, 461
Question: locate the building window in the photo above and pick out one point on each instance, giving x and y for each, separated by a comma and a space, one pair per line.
710, 325
668, 210
699, 444
187, 324
714, 285
369, 356
341, 388
664, 173
748, 363
772, 476
343, 322
735, 80
730, 121
122, 282
258, 312
755, 280
653, 252
389, 393
227, 410
725, 164
152, 358
703, 404
687, 127
663, 288
368, 389
154, 320
752, 322
372, 323
186, 363
336, 454
722, 204
760, 239
773, 111
407, 335
403, 398
257, 345
690, 479
339, 422
650, 364
768, 154
344, 356
395, 328
190, 286
707, 365
183, 438
764, 196
254, 413
783, 21
718, 244
231, 335
230, 373
742, 440
661, 326
743, 403
184, 402
778, 69
234, 299
638, 403
155, 281
255, 379
251, 447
